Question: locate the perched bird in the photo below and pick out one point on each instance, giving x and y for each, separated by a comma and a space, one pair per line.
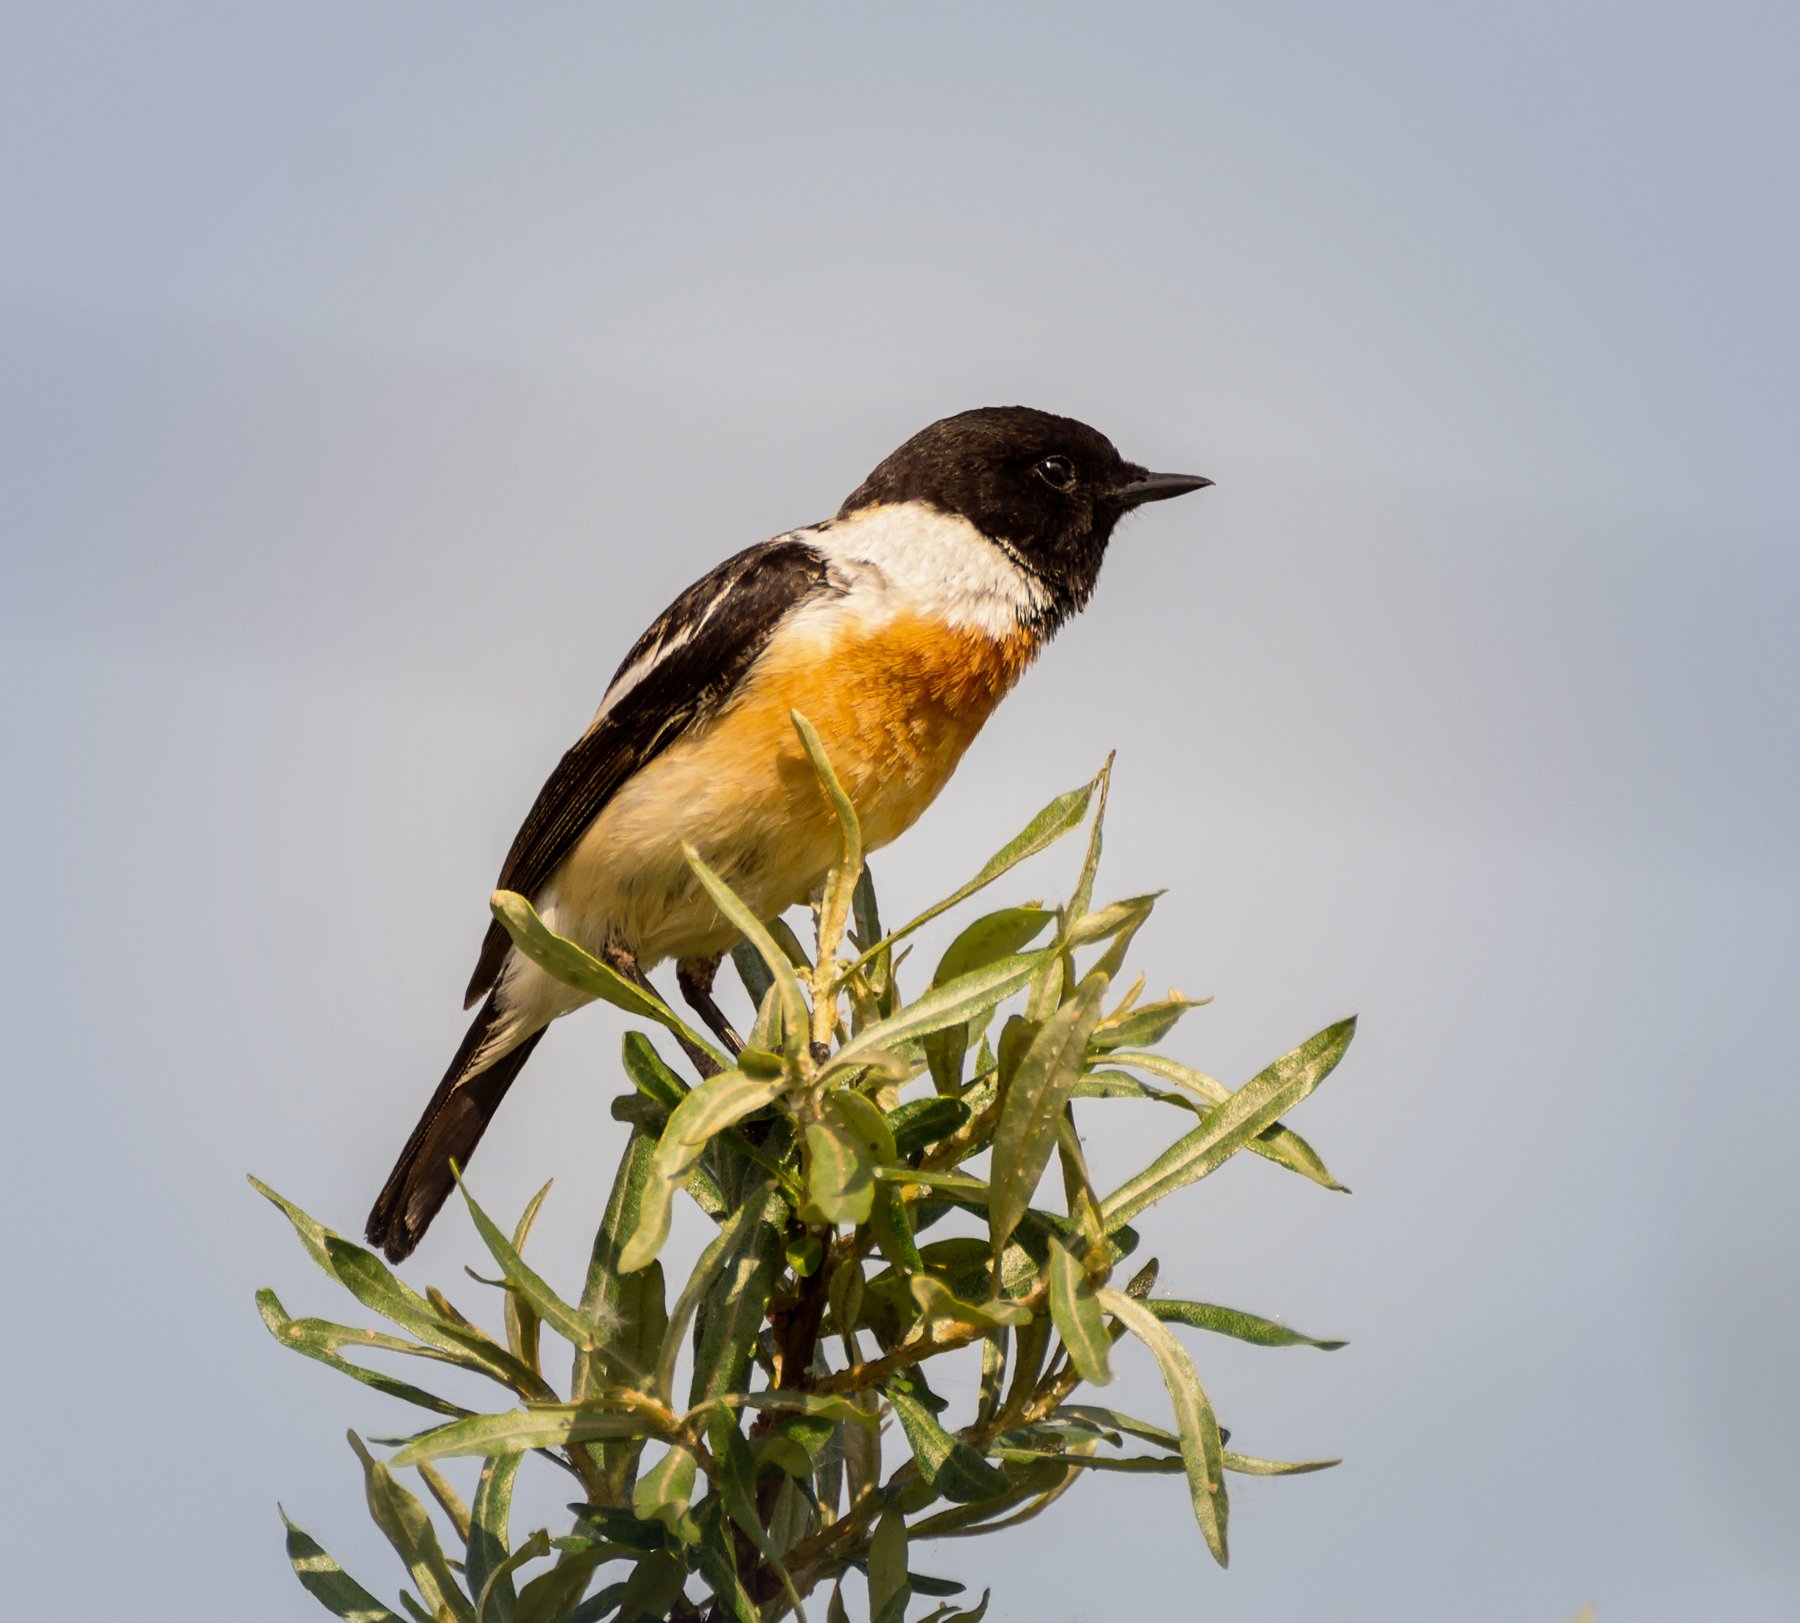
895, 628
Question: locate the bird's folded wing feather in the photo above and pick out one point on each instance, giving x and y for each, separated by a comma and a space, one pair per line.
681, 671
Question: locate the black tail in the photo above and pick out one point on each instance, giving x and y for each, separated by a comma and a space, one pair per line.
448, 1132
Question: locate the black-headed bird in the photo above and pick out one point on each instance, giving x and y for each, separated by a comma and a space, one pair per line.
895, 628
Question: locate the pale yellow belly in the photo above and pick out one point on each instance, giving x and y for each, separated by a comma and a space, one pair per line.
895, 706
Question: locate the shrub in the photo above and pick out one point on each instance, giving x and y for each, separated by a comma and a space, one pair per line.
825, 1152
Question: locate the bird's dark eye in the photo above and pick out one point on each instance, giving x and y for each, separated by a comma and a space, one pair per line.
1058, 472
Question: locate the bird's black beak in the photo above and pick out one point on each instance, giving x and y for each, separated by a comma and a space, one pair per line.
1157, 487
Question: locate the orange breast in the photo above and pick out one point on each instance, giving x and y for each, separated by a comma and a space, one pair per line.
895, 704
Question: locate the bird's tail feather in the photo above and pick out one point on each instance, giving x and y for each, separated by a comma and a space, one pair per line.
448, 1132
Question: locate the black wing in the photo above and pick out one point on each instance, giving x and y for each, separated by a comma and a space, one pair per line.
678, 673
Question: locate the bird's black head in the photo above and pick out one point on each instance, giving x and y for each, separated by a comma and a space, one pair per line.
1046, 489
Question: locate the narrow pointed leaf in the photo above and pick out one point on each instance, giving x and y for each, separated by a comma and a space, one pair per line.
718, 1256
1076, 1310
888, 1592
497, 1599
937, 1301
1254, 1107
319, 1339
1245, 1465
568, 1322
920, 1123
1228, 1321
737, 1492
1202, 1452
547, 1425
712, 1107
489, 1516
575, 966
996, 935
734, 1313
377, 1287
1033, 1105
717, 1561
1083, 897
1063, 813
840, 1177
946, 1463
731, 905
664, 1492
406, 1525
840, 881
1279, 1144
956, 1001
328, 1583
1145, 1025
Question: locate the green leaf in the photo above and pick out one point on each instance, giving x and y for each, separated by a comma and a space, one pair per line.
652, 1589
1076, 1310
1115, 919
1202, 1452
1279, 1144
1055, 820
736, 1483
787, 984
840, 881
945, 1463
489, 1515
626, 1311
1146, 1024
1088, 1415
650, 1075
1245, 1465
718, 1102
753, 972
328, 1583
496, 1599
952, 1614
937, 1301
664, 1492
734, 1313
570, 1323
725, 1246
319, 1339
522, 1318
375, 1285
825, 1405
995, 935
717, 1561
956, 1001
1227, 1321
840, 1178
406, 1525
888, 1591
550, 1597
548, 1425
1090, 866
576, 967
1254, 1107
920, 1123
1033, 1105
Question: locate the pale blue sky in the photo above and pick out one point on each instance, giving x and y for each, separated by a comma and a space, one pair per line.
373, 374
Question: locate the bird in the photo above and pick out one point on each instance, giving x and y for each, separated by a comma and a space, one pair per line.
896, 627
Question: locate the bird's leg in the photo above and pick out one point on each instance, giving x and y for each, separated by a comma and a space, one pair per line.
624, 961
695, 978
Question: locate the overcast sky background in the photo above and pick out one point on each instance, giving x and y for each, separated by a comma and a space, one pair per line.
372, 375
